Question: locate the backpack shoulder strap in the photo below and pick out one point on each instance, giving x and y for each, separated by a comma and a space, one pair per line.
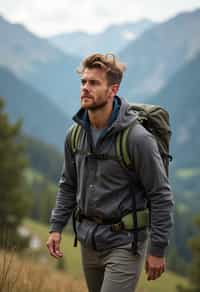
122, 147
74, 137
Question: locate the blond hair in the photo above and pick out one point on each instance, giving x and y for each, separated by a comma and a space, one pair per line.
109, 63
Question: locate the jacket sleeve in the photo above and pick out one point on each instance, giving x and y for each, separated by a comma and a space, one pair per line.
151, 173
66, 196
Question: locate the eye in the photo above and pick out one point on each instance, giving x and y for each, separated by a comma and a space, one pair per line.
94, 82
83, 81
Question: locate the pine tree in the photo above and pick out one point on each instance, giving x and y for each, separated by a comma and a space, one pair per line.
13, 199
194, 270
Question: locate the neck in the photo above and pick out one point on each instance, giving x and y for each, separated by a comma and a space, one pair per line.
99, 118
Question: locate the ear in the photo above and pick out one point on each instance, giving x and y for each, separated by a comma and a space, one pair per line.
114, 88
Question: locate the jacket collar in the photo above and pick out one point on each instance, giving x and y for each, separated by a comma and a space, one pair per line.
81, 117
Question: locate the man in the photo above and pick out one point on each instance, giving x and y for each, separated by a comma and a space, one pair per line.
94, 183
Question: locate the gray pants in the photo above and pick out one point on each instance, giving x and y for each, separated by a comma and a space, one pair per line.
113, 270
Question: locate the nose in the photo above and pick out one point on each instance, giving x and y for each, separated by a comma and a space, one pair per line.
85, 86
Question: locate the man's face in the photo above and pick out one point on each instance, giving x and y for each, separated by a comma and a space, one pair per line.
95, 91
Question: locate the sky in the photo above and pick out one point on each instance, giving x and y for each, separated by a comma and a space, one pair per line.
50, 17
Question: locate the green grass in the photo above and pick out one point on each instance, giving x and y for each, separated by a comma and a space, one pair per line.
187, 173
32, 175
182, 208
71, 254
167, 283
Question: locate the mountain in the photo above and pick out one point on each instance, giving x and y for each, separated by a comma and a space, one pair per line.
158, 53
152, 59
41, 118
113, 39
43, 66
181, 97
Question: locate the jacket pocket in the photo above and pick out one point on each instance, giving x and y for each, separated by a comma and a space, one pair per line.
85, 231
105, 238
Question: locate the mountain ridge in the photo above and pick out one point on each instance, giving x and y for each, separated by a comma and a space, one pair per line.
112, 39
38, 63
158, 53
41, 118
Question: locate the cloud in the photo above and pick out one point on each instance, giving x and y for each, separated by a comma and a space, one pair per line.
50, 17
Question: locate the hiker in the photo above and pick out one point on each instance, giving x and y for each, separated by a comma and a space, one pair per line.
115, 208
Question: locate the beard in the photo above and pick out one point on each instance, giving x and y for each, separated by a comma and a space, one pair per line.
96, 105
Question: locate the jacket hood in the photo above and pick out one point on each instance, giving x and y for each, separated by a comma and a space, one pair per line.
124, 117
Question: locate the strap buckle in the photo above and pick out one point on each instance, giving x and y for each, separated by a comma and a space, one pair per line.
117, 227
97, 220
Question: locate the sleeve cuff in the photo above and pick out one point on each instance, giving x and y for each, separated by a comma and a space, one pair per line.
56, 227
157, 250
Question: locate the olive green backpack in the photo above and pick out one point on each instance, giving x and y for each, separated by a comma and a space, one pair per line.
154, 118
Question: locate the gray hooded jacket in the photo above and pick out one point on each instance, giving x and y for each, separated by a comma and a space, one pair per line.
101, 188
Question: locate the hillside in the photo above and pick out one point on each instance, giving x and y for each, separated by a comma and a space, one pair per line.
166, 283
158, 53
113, 39
41, 118
26, 275
43, 66
181, 97
43, 158
40, 277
